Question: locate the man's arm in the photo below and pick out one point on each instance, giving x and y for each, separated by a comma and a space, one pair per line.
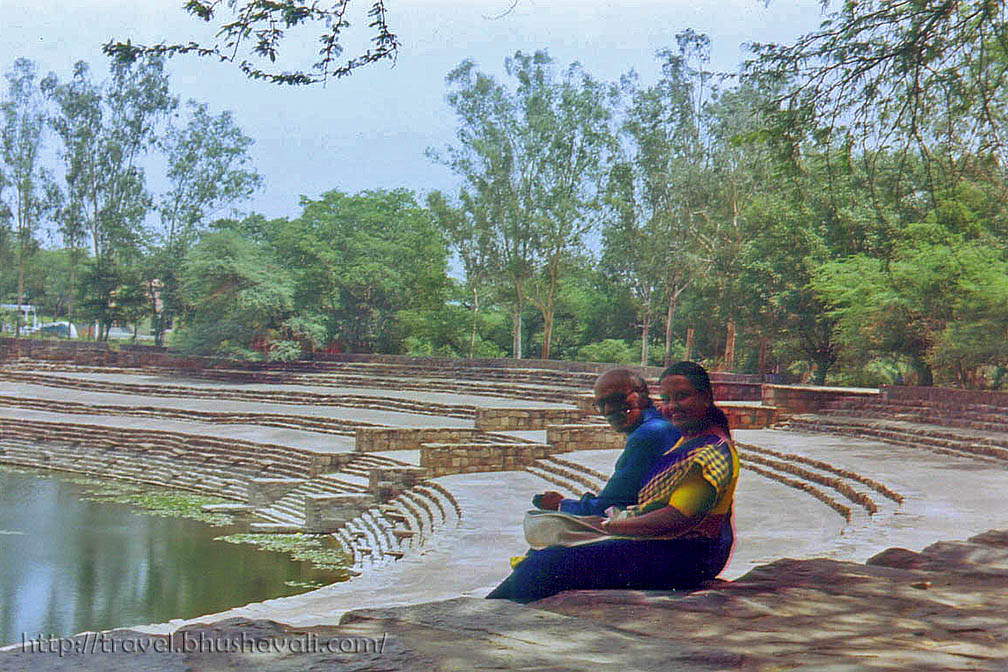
621, 490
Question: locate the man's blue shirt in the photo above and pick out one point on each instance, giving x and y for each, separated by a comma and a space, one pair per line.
651, 439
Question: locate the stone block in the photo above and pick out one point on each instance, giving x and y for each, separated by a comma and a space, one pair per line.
264, 491
328, 513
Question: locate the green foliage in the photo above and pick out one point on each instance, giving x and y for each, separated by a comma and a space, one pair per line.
532, 154
940, 301
33, 191
609, 350
232, 291
360, 260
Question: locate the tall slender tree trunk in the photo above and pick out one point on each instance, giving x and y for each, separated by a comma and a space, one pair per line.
688, 355
472, 339
669, 319
729, 349
549, 312
645, 332
20, 296
71, 299
761, 365
517, 322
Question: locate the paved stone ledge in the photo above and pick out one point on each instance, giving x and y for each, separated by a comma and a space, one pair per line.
750, 417
940, 609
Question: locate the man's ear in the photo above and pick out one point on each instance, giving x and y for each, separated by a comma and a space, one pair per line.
636, 400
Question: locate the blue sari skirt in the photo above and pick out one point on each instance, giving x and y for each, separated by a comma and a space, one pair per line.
617, 563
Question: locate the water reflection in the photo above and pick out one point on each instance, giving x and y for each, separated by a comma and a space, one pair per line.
68, 564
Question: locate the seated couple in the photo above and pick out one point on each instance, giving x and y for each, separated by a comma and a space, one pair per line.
663, 520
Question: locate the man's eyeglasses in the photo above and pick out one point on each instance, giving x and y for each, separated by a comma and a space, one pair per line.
612, 404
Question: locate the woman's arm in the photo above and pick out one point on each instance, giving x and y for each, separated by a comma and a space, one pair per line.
689, 504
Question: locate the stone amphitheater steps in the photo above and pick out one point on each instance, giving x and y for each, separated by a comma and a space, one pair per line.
567, 486
222, 481
362, 463
192, 462
387, 532
285, 421
836, 487
287, 397
984, 417
585, 477
985, 447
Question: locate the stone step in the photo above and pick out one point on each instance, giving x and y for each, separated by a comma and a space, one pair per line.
567, 487
585, 480
274, 528
964, 446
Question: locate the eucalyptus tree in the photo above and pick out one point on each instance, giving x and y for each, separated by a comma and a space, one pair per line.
569, 122
209, 169
33, 192
106, 130
470, 237
657, 235
532, 158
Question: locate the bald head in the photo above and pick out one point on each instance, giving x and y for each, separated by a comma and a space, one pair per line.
621, 396
620, 380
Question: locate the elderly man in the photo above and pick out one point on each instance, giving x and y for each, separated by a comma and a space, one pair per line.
621, 396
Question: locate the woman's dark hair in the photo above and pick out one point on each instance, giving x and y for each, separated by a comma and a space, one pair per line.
697, 375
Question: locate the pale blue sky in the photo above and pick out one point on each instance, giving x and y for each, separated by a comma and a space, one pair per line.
371, 129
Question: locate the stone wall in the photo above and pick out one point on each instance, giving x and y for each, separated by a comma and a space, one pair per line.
377, 439
568, 438
503, 419
443, 459
807, 398
737, 391
388, 482
946, 395
750, 417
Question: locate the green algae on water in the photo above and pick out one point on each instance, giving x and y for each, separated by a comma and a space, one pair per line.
159, 502
306, 547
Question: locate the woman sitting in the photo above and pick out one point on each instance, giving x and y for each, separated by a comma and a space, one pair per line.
678, 535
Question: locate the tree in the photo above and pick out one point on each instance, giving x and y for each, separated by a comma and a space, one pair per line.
901, 74
106, 131
255, 29
470, 236
655, 238
532, 159
209, 169
232, 291
21, 141
361, 259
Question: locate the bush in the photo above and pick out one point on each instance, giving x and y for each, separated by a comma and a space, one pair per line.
611, 350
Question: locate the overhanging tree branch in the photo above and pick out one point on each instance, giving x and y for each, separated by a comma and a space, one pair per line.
257, 28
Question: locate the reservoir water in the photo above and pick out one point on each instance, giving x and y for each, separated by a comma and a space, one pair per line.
70, 564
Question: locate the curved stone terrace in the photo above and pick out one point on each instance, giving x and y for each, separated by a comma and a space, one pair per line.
292, 456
